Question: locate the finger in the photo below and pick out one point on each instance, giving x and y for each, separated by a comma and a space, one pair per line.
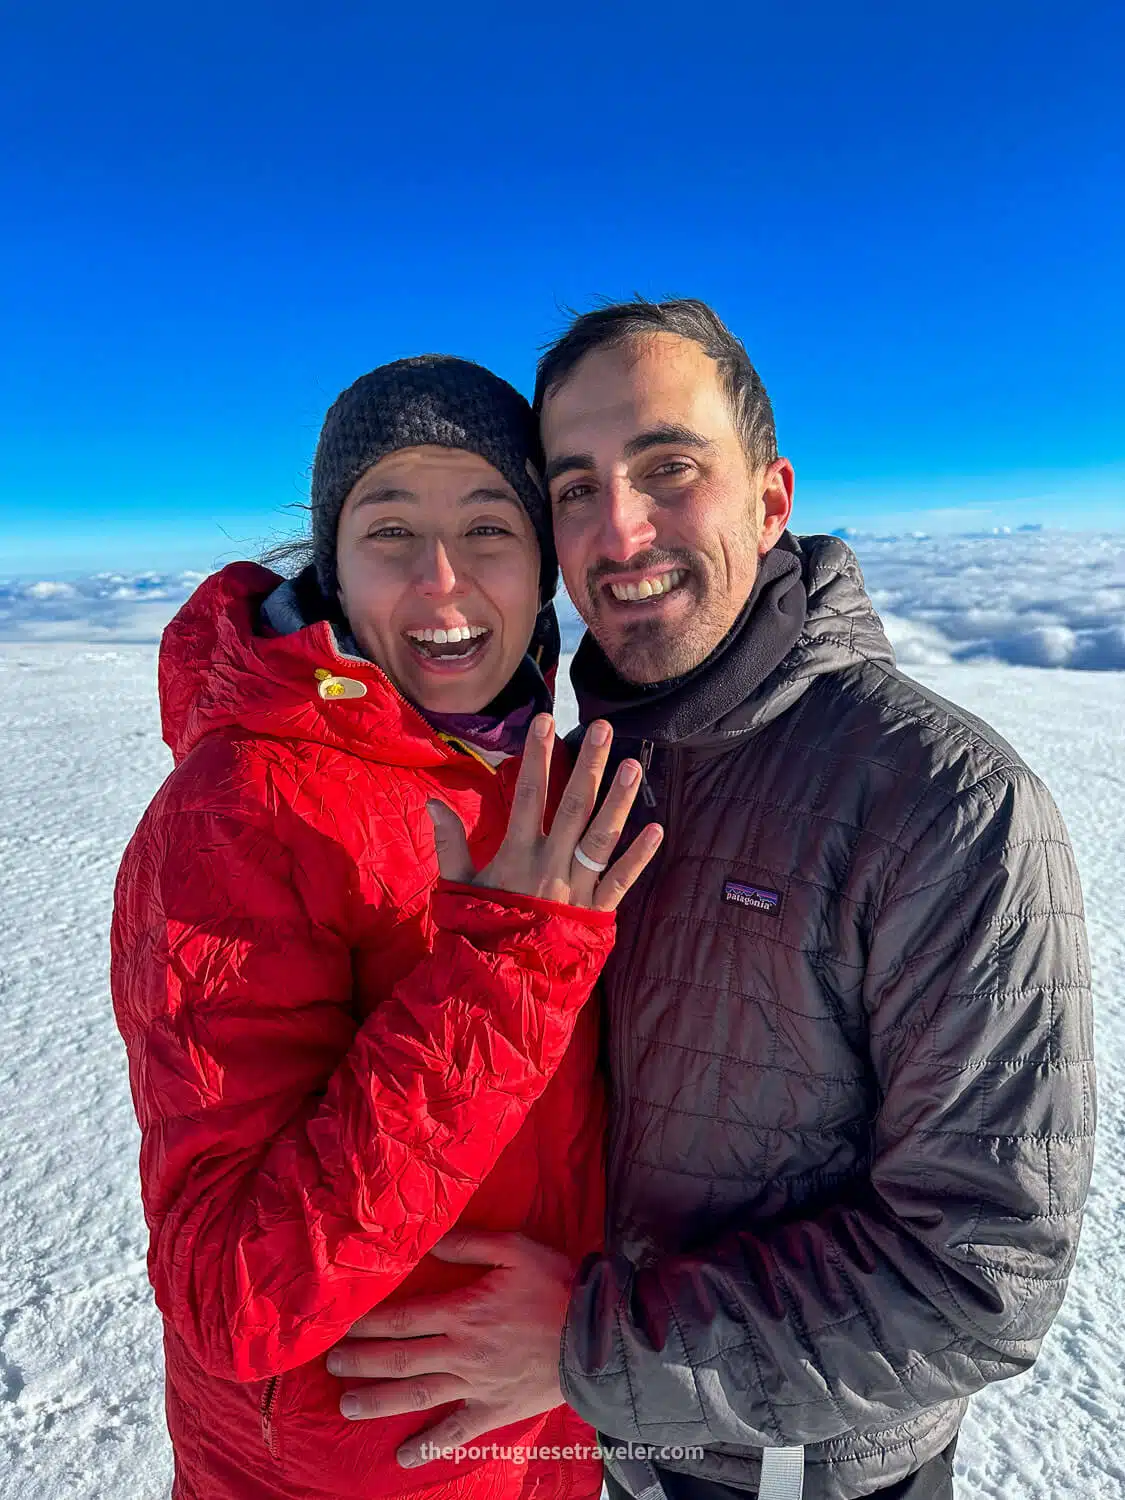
394, 1398
420, 1317
455, 1431
501, 1251
525, 825
580, 797
391, 1359
482, 1248
451, 844
624, 872
600, 839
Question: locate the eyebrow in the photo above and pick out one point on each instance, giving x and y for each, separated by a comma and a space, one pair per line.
654, 437
667, 432
387, 493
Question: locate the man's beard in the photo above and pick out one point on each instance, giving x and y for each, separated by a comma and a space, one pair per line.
654, 650
647, 651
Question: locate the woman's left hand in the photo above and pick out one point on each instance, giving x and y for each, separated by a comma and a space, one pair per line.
572, 862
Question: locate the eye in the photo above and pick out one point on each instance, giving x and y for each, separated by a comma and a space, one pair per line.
486, 528
673, 466
388, 533
577, 491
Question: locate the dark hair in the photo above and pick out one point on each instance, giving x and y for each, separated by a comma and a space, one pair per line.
617, 322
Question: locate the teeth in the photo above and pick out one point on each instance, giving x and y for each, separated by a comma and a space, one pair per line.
451, 636
649, 588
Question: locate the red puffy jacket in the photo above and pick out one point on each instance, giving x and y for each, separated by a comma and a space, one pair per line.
334, 1057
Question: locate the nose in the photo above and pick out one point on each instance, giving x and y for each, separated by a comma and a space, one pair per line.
626, 528
434, 575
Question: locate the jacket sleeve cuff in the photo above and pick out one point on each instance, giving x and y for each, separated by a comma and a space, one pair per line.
592, 1358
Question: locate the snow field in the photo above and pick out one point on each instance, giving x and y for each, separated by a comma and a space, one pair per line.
81, 1381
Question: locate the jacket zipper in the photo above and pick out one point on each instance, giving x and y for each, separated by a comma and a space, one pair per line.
269, 1401
648, 796
450, 747
618, 1023
467, 749
416, 713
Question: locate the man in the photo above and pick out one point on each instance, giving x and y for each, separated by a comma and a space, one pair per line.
848, 1011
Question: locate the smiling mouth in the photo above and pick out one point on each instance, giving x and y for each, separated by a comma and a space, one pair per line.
652, 586
460, 644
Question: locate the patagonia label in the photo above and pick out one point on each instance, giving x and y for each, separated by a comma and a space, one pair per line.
755, 896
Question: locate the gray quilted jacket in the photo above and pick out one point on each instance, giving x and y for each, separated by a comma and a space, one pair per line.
850, 1043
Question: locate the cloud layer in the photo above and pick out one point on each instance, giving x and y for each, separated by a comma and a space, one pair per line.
123, 607
1031, 598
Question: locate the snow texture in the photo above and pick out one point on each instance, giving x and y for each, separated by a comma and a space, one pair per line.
81, 1395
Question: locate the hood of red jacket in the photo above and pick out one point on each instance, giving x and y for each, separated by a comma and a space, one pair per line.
217, 671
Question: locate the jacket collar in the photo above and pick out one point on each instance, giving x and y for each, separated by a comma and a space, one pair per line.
223, 666
500, 727
808, 615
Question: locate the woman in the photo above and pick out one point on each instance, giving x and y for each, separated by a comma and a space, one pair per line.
335, 1056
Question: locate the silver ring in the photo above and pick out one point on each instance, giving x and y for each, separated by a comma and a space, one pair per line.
584, 859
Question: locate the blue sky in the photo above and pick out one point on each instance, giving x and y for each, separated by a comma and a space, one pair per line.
214, 217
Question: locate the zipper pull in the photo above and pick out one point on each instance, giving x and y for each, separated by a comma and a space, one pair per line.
648, 796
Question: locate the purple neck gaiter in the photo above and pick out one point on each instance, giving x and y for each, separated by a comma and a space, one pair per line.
501, 725
486, 731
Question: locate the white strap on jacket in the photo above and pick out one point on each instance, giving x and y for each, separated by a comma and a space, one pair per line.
783, 1474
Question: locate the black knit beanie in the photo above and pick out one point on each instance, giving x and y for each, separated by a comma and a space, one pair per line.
438, 399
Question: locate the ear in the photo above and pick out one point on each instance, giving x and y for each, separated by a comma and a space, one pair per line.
776, 503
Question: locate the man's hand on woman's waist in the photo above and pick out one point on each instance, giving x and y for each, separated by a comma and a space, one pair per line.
493, 1345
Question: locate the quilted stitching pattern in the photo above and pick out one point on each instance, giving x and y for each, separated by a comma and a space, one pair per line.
853, 1136
330, 1069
